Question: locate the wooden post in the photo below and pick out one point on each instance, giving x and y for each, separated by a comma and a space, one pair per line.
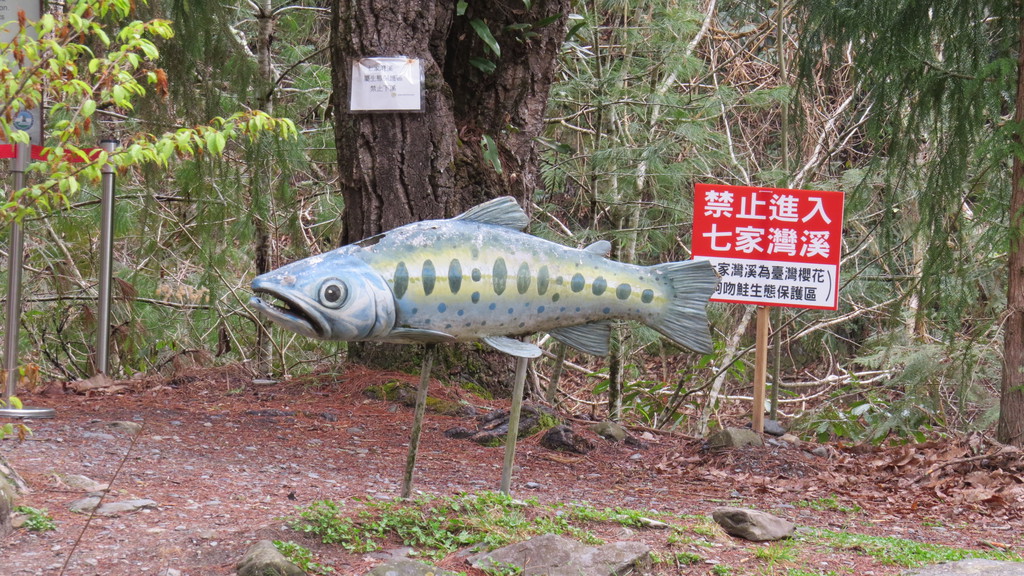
417, 420
760, 368
513, 425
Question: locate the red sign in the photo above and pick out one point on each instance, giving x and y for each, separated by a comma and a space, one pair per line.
771, 246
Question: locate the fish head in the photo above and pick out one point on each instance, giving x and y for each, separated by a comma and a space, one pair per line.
331, 296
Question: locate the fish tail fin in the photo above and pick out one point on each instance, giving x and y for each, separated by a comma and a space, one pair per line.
685, 320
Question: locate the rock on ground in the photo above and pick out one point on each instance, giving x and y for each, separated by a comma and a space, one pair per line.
264, 559
734, 438
553, 555
7, 495
752, 525
609, 431
562, 438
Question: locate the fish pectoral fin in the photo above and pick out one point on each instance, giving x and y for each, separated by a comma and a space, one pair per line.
513, 347
504, 211
418, 336
591, 338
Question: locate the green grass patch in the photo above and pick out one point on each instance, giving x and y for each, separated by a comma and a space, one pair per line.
437, 526
900, 551
829, 503
302, 557
36, 520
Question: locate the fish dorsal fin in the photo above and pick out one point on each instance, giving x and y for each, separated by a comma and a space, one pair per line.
504, 211
601, 248
513, 347
591, 338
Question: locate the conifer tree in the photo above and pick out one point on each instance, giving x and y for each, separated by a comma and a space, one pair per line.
946, 83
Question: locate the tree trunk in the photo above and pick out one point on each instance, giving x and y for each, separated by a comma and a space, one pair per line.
397, 168
1010, 428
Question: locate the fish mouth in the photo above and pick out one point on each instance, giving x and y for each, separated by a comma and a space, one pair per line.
291, 312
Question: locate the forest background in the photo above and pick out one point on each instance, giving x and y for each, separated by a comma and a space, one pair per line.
230, 165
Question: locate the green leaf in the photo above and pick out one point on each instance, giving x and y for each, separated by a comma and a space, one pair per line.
460, 8
484, 65
484, 32
88, 107
490, 152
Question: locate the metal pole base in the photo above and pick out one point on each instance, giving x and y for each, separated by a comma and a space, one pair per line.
27, 413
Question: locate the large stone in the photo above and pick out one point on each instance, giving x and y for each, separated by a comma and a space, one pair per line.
553, 555
971, 567
406, 567
609, 431
81, 483
774, 428
734, 438
752, 525
562, 438
7, 494
264, 559
124, 506
86, 505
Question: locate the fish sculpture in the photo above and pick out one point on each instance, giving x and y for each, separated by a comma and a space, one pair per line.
479, 277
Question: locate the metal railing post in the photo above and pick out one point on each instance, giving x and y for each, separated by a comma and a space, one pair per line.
106, 260
15, 253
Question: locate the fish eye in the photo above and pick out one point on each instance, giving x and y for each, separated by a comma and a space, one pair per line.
333, 293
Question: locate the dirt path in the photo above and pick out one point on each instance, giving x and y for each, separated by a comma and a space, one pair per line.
226, 460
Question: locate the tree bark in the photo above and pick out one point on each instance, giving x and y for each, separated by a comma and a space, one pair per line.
397, 168
1010, 428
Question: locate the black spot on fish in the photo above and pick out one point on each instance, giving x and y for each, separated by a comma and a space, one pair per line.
647, 296
401, 280
442, 307
522, 324
475, 297
540, 309
511, 310
607, 310
523, 278
555, 297
415, 310
542, 280
623, 291
578, 282
455, 276
474, 251
599, 286
429, 277
475, 274
499, 275
492, 306
559, 280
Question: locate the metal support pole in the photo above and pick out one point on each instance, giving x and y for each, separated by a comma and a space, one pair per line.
106, 260
760, 368
417, 420
15, 251
513, 425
